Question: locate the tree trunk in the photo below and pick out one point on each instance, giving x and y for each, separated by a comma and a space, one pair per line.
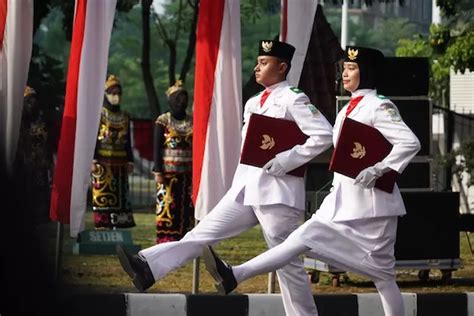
191, 44
172, 62
150, 91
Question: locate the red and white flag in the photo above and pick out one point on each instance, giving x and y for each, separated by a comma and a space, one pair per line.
16, 40
295, 28
317, 51
217, 114
86, 76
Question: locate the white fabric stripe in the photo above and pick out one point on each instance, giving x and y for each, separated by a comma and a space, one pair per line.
266, 304
300, 25
470, 304
370, 304
92, 75
155, 304
222, 151
15, 59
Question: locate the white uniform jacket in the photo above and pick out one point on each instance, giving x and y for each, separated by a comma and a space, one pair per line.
348, 201
260, 188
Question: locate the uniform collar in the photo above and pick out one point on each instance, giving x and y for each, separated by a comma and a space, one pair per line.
362, 92
276, 90
275, 86
359, 93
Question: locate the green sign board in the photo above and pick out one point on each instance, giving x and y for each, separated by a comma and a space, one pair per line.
104, 242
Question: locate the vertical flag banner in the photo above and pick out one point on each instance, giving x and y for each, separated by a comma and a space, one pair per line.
217, 102
16, 35
86, 76
317, 50
295, 28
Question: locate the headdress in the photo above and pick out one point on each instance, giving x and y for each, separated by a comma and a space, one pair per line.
28, 91
112, 81
178, 85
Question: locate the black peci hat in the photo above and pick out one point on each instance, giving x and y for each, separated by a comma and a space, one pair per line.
277, 49
370, 62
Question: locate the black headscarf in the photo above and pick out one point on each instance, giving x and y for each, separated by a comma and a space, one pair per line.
369, 61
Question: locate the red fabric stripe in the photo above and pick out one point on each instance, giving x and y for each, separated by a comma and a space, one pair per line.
62, 184
284, 20
208, 36
264, 97
3, 20
353, 103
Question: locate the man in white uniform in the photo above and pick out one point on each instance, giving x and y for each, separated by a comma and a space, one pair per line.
355, 227
265, 196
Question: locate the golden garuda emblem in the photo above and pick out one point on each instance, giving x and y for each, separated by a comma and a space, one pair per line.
267, 142
358, 152
352, 53
267, 46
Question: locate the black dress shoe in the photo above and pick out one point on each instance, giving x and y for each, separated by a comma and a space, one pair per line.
220, 271
136, 267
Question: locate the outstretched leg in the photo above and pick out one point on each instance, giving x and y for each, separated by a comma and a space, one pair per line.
227, 219
270, 260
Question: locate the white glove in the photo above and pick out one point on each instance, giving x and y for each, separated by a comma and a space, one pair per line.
367, 177
274, 168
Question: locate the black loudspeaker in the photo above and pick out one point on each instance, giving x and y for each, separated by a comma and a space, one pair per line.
313, 200
430, 229
417, 115
466, 222
417, 175
404, 76
318, 176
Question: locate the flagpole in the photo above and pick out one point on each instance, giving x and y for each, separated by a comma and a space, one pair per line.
345, 8
271, 282
59, 251
196, 262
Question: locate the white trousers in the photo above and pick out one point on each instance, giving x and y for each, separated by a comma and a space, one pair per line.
363, 246
228, 219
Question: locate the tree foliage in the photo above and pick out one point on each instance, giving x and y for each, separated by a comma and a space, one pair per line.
180, 17
450, 45
170, 33
52, 27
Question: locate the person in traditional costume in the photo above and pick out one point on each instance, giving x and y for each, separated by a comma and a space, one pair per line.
173, 138
34, 158
113, 161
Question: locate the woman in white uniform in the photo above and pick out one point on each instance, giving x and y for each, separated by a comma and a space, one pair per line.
355, 227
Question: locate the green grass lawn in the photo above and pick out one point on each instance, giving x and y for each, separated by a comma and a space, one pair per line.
103, 274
